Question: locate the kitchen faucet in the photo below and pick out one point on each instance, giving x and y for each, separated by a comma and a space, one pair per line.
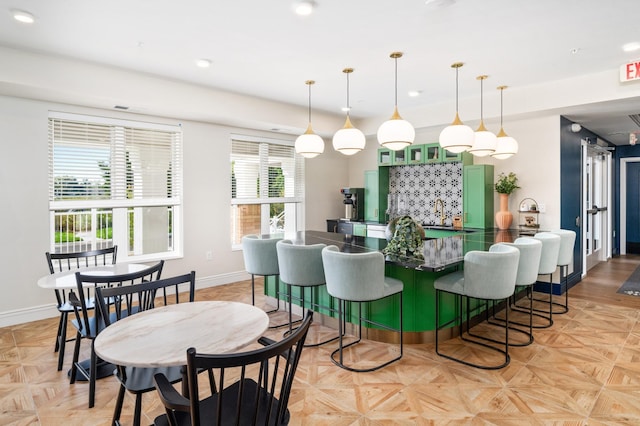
435, 209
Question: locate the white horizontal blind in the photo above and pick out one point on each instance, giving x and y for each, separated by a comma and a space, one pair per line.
90, 161
265, 171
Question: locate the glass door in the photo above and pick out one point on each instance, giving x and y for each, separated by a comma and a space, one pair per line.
596, 196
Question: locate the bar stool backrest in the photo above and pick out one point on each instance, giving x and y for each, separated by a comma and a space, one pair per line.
358, 277
567, 241
550, 251
300, 265
530, 252
491, 274
260, 256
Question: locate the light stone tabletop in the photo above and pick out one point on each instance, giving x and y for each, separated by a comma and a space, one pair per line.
160, 337
67, 279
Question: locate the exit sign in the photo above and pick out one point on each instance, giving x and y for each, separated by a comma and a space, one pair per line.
630, 71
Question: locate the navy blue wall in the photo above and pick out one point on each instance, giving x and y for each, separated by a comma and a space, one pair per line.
624, 151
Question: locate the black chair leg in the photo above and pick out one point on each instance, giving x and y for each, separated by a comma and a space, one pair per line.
62, 339
62, 319
118, 408
92, 377
138, 410
76, 355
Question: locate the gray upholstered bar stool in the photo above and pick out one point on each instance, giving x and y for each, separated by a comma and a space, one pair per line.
359, 277
301, 266
565, 256
261, 258
487, 275
528, 265
548, 265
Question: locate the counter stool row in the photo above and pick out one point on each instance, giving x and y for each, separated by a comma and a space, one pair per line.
349, 277
493, 276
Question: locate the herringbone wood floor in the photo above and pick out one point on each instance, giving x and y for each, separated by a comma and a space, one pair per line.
583, 370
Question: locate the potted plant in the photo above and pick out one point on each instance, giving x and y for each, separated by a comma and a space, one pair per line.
506, 184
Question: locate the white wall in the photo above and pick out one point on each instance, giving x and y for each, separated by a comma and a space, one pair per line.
25, 218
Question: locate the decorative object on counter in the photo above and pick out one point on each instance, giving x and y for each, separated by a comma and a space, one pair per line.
396, 205
457, 222
406, 238
506, 146
457, 137
485, 141
528, 212
309, 144
396, 133
505, 186
348, 140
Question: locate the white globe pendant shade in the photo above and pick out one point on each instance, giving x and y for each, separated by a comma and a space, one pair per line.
309, 144
506, 146
484, 143
349, 140
396, 133
457, 137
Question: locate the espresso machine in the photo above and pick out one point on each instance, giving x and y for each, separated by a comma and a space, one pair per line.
353, 204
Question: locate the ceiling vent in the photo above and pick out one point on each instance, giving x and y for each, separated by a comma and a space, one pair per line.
635, 118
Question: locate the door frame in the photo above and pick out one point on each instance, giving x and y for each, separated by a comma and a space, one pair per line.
623, 201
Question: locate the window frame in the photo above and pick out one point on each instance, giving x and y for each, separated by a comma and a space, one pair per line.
118, 204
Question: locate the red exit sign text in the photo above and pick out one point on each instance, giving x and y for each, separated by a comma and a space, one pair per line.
630, 71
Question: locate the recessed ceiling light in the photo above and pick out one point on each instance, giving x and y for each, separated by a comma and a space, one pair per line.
22, 16
304, 7
575, 50
203, 63
415, 93
631, 47
345, 109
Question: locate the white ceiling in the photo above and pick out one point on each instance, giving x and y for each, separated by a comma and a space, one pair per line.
261, 48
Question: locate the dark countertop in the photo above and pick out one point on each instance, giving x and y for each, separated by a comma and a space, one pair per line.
439, 253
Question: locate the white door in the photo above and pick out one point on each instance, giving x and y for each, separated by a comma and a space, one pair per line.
596, 199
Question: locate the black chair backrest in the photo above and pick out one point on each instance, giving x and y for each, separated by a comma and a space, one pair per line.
114, 303
84, 283
253, 386
59, 262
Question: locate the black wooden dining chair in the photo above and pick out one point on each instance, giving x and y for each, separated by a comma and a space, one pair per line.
88, 327
116, 303
59, 262
253, 387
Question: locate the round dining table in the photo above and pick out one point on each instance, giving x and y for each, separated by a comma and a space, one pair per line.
66, 280
160, 337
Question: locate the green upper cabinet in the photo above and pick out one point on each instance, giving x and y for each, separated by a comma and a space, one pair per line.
384, 157
376, 189
399, 158
421, 154
465, 157
477, 196
415, 154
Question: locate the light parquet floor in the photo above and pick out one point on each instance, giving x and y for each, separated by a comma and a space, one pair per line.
585, 370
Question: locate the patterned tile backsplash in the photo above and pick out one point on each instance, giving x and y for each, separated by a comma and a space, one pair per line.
416, 188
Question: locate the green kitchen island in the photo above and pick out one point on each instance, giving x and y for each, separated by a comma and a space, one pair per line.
443, 253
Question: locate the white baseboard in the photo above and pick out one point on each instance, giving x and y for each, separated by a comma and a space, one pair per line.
35, 313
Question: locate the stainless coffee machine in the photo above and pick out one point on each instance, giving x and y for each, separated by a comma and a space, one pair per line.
353, 204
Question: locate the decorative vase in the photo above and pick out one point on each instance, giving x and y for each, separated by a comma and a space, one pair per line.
504, 216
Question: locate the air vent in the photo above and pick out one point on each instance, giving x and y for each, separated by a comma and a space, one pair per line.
635, 118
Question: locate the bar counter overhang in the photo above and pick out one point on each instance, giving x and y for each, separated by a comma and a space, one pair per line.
440, 256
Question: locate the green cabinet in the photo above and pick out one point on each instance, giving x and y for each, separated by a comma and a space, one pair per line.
360, 229
376, 189
477, 196
421, 154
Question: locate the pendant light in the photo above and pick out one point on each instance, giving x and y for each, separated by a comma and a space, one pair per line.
485, 141
506, 145
309, 144
396, 133
457, 137
348, 140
